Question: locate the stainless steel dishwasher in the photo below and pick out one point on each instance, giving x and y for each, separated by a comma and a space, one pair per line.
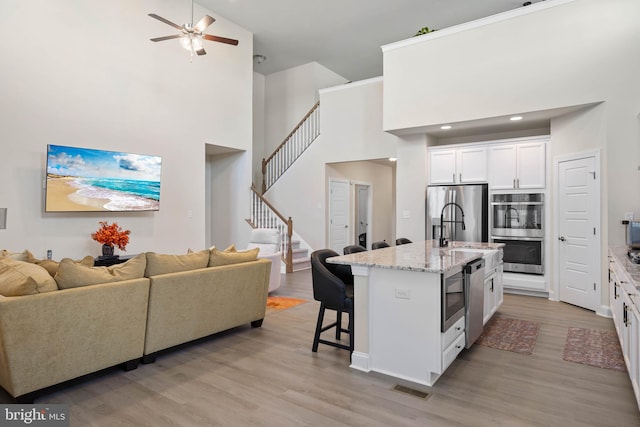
474, 300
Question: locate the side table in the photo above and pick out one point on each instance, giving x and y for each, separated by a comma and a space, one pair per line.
106, 261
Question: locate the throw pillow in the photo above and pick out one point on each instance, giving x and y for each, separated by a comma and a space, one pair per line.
52, 266
19, 256
72, 275
227, 257
23, 278
162, 264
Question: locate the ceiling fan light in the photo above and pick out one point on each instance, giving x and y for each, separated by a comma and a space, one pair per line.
191, 43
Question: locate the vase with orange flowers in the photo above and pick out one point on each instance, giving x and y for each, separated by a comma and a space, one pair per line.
111, 235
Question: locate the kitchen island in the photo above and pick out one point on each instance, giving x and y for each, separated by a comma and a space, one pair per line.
398, 308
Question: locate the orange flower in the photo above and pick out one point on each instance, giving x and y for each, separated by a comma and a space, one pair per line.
111, 235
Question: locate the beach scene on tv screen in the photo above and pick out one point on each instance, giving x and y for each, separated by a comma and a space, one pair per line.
82, 179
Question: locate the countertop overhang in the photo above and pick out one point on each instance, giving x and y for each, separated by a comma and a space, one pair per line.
419, 256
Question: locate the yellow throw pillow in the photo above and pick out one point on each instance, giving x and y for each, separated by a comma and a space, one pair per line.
72, 275
227, 257
19, 256
52, 266
23, 278
162, 264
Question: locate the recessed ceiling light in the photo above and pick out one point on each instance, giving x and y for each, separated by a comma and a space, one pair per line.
445, 127
392, 159
515, 118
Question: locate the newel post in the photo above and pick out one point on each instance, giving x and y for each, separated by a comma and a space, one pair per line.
289, 249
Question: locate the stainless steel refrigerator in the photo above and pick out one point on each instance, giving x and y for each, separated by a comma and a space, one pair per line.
473, 200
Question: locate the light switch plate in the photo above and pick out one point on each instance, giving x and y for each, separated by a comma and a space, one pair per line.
403, 293
3, 218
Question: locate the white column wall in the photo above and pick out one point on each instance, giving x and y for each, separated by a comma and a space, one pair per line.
95, 80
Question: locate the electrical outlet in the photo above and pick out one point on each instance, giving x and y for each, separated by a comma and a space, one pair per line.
628, 216
406, 214
403, 293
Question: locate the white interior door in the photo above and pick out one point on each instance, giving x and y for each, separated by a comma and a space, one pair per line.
338, 214
578, 232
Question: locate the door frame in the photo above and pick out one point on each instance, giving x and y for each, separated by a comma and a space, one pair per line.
354, 195
601, 309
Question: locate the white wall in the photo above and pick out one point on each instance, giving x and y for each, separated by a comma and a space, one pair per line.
546, 56
350, 130
380, 177
259, 82
290, 94
85, 74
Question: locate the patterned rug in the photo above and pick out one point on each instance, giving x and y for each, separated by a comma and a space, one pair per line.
503, 333
282, 303
595, 348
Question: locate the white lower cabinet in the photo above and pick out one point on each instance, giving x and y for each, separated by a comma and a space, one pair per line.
453, 341
624, 301
493, 294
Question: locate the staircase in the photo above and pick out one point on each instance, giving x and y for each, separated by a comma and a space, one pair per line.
291, 148
300, 257
263, 214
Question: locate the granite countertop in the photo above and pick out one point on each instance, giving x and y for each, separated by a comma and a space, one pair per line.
633, 270
420, 256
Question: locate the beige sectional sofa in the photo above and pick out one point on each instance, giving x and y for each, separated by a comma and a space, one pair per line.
50, 337
188, 305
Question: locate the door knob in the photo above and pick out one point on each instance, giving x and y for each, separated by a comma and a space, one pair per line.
346, 226
561, 238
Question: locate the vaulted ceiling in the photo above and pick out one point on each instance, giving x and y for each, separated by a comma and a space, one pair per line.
343, 35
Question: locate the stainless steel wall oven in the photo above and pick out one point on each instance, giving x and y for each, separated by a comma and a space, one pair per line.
518, 222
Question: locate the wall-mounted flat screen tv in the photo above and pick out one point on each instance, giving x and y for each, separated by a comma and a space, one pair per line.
84, 179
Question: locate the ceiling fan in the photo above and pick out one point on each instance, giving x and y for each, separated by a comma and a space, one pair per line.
191, 35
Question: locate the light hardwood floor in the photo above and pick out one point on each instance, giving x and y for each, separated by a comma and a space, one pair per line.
269, 377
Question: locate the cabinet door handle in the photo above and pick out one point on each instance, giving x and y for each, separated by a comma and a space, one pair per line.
454, 178
518, 182
514, 183
458, 346
460, 175
458, 328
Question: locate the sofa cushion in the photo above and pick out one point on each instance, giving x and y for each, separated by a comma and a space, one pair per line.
162, 264
22, 278
72, 275
233, 256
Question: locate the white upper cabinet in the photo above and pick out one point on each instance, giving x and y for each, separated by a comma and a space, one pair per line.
442, 166
517, 166
458, 166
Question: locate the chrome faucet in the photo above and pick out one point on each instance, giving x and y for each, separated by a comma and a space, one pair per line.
507, 212
443, 242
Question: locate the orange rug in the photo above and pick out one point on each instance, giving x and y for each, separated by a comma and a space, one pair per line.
282, 303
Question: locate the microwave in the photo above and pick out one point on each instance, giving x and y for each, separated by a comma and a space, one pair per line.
633, 235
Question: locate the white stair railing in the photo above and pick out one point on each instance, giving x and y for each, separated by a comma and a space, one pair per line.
291, 148
263, 215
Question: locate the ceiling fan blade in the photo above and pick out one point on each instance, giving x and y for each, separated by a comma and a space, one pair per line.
204, 23
220, 39
159, 39
166, 21
201, 52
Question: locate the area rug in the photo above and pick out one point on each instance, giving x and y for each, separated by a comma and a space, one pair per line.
504, 333
594, 348
282, 303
